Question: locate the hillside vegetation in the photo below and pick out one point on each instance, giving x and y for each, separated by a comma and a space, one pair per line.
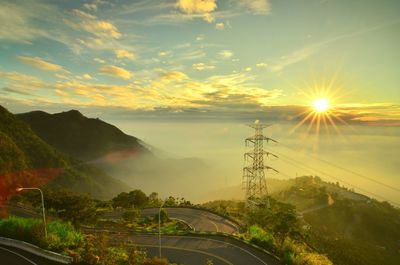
350, 227
26, 160
79, 136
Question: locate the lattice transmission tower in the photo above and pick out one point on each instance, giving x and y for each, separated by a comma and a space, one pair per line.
254, 181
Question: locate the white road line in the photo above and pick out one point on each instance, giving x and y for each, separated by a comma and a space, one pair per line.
216, 226
19, 255
219, 241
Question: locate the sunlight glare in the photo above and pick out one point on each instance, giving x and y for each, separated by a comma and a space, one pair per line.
321, 105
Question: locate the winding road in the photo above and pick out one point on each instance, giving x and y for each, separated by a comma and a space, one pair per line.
196, 250
182, 249
199, 219
14, 256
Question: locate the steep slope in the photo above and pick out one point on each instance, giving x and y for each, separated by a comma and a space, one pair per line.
27, 160
122, 156
349, 227
79, 136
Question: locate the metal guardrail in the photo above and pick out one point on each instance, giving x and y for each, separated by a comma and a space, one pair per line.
35, 250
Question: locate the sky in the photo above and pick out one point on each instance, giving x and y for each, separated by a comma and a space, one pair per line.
171, 66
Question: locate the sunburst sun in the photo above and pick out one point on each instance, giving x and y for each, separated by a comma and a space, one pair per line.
321, 105
322, 111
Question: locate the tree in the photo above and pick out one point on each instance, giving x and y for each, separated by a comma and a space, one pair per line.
135, 198
122, 200
131, 215
136, 257
76, 208
138, 198
153, 199
163, 216
280, 219
171, 201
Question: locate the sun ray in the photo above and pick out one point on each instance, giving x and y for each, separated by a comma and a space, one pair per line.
322, 112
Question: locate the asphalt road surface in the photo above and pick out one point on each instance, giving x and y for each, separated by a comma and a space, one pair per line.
200, 220
194, 250
14, 256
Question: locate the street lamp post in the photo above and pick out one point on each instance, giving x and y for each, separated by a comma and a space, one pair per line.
159, 229
44, 214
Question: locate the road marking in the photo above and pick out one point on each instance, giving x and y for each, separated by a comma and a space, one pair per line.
219, 241
19, 255
183, 221
192, 250
216, 226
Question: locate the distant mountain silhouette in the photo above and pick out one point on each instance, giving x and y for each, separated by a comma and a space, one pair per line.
27, 160
81, 137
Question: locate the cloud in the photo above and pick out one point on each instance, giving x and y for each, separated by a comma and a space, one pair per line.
234, 96
204, 8
202, 66
294, 57
102, 29
309, 50
121, 53
226, 54
197, 6
18, 21
257, 7
99, 60
40, 63
85, 77
94, 5
173, 76
220, 26
200, 38
18, 91
262, 65
115, 71
164, 53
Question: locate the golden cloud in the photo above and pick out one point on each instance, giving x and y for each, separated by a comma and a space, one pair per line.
40, 63
202, 66
197, 6
22, 80
115, 71
220, 26
261, 65
226, 54
101, 28
121, 53
202, 7
173, 76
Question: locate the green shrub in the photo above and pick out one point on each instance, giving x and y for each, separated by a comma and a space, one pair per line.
60, 236
26, 229
261, 238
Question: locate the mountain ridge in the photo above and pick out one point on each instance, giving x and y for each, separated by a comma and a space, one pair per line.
79, 136
27, 160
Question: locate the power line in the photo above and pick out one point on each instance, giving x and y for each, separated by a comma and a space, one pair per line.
297, 163
347, 170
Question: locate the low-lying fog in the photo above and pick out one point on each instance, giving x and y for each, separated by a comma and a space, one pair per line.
203, 160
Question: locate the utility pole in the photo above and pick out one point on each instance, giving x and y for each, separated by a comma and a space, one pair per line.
253, 174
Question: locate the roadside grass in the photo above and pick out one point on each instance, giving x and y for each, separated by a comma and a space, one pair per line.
61, 236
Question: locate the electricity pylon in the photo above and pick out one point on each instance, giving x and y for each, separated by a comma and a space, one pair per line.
253, 175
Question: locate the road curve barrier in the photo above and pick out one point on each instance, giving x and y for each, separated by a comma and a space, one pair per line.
35, 250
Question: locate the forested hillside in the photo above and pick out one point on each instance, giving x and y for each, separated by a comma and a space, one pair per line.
27, 160
79, 136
